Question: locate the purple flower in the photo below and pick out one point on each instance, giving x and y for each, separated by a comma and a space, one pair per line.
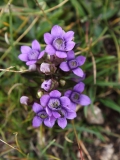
41, 116
76, 97
59, 42
46, 85
73, 64
24, 100
53, 103
65, 114
31, 55
49, 84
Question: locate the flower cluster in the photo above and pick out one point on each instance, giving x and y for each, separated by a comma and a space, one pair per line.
56, 62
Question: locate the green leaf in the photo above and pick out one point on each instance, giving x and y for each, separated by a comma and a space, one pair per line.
109, 13
78, 8
110, 84
111, 104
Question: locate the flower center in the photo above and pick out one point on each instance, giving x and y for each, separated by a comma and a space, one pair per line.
73, 64
62, 113
75, 97
33, 55
54, 104
59, 44
42, 115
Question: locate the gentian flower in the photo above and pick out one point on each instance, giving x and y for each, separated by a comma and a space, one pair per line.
49, 84
41, 116
31, 55
24, 100
59, 42
77, 97
46, 85
73, 64
65, 114
53, 103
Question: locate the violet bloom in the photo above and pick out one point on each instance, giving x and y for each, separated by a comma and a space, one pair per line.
77, 97
41, 116
46, 85
49, 84
65, 114
53, 103
31, 55
73, 64
59, 42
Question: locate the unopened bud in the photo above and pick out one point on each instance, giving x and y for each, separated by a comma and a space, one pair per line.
62, 82
49, 85
39, 94
47, 68
32, 67
24, 100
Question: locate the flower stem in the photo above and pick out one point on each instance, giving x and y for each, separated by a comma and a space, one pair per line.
77, 140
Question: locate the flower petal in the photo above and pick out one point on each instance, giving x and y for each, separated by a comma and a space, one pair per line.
48, 123
52, 120
73, 106
65, 101
61, 54
32, 67
69, 35
50, 50
70, 45
84, 100
62, 122
79, 87
41, 54
78, 72
49, 112
25, 49
30, 62
37, 107
44, 100
71, 115
56, 31
48, 38
81, 60
23, 57
64, 66
55, 93
35, 45
36, 121
70, 55
67, 93
56, 114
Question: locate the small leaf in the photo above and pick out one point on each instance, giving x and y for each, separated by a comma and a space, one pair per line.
111, 104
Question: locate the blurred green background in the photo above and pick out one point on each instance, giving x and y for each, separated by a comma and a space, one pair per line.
96, 24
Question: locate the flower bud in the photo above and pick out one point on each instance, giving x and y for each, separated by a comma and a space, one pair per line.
47, 68
32, 67
39, 94
49, 85
55, 60
62, 82
24, 100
